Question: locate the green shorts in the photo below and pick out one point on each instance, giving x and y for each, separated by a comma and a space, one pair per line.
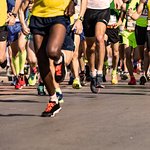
129, 38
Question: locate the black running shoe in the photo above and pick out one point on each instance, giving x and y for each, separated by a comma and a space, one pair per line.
99, 80
60, 70
93, 85
104, 78
4, 64
143, 80
51, 109
82, 79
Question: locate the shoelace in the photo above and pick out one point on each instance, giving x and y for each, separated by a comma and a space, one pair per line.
50, 106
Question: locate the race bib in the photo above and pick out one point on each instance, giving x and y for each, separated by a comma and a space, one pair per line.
113, 20
130, 24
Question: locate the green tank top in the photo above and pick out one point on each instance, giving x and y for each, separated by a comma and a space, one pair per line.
142, 21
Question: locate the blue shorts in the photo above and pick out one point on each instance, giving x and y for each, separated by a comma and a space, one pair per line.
13, 32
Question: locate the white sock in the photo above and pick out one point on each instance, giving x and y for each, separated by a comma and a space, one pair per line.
93, 73
54, 98
99, 72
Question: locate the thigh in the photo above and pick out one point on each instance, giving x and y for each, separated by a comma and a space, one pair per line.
56, 36
100, 29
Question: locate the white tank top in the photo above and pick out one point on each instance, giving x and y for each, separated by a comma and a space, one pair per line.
98, 4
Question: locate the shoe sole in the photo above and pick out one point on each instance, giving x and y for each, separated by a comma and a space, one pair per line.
55, 112
76, 86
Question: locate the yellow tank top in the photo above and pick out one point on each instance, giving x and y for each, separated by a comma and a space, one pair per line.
148, 5
3, 12
49, 8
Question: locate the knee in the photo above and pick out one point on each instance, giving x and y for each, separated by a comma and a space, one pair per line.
32, 61
100, 39
53, 52
116, 53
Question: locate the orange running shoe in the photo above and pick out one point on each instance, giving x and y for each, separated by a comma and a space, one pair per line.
51, 109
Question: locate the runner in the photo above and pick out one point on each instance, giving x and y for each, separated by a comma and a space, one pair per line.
48, 27
96, 19
136, 15
113, 39
128, 36
4, 21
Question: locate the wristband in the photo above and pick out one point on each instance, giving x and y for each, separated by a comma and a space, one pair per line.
14, 14
80, 18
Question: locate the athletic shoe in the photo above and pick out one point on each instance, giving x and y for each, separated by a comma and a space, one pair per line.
76, 84
114, 78
40, 90
60, 97
87, 73
51, 109
32, 77
124, 76
82, 79
93, 87
143, 80
132, 81
60, 70
4, 64
20, 82
14, 81
99, 80
70, 82
104, 78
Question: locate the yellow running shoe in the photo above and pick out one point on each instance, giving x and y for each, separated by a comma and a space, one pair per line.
114, 78
32, 77
76, 84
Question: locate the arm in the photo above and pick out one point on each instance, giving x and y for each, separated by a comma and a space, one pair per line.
12, 16
138, 12
78, 24
122, 15
22, 10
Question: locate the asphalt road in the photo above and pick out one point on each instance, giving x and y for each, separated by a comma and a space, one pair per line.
116, 119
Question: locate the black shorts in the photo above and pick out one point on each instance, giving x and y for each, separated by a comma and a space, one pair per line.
69, 40
140, 34
40, 25
3, 33
113, 35
91, 17
148, 40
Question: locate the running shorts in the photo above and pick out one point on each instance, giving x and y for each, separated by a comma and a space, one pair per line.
91, 17
140, 34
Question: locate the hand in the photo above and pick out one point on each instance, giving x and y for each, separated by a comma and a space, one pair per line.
118, 4
10, 19
130, 12
78, 27
25, 30
70, 10
116, 25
